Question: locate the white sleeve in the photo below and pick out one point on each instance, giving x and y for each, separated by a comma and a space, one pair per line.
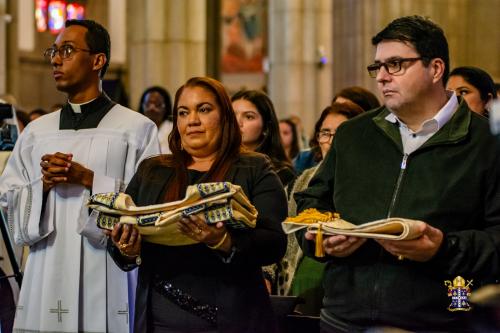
103, 183
150, 145
21, 194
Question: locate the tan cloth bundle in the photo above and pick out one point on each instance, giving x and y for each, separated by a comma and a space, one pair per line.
216, 202
331, 224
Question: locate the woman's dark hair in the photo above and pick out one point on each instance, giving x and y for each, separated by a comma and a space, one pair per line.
229, 145
97, 39
166, 97
295, 149
22, 117
270, 144
426, 36
362, 97
346, 109
477, 77
39, 112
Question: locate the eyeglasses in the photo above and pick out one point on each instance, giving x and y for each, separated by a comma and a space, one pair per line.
65, 51
392, 66
325, 136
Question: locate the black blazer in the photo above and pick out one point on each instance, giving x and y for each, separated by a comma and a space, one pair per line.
241, 297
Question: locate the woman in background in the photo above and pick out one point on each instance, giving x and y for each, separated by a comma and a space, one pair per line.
355, 96
359, 96
289, 138
156, 104
475, 86
23, 120
37, 113
260, 130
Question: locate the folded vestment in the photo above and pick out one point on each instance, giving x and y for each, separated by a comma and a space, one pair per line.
393, 228
216, 202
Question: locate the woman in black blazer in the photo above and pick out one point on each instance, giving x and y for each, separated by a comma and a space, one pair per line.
215, 285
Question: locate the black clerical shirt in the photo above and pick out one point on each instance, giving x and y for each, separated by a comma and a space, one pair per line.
90, 117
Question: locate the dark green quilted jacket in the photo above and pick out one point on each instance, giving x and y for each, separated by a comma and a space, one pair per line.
452, 182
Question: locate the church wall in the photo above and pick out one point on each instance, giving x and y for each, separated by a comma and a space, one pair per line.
473, 35
166, 43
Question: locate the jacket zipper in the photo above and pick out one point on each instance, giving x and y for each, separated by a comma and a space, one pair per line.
391, 207
398, 185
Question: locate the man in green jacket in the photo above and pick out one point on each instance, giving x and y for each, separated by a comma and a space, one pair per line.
424, 156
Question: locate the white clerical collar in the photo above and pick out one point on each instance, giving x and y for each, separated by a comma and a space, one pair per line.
439, 119
77, 108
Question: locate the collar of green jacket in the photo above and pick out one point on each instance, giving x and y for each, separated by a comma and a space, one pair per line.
455, 130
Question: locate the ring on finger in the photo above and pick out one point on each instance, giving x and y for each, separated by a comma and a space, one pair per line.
401, 257
199, 231
123, 246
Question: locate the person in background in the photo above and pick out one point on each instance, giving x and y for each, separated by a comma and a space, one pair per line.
310, 157
91, 145
56, 107
475, 86
425, 156
216, 284
289, 138
260, 130
356, 96
299, 275
303, 138
36, 113
359, 96
22, 120
156, 104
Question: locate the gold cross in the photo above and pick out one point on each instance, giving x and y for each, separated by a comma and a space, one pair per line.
59, 311
124, 312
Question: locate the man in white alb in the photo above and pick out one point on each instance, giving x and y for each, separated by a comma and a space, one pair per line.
91, 145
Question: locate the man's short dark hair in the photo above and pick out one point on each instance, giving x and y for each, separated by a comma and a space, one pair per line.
97, 39
426, 36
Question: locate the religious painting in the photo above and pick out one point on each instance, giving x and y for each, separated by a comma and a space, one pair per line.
243, 42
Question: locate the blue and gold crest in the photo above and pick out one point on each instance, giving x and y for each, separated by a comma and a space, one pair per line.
459, 293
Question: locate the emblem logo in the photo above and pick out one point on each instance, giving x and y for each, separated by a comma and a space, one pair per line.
459, 293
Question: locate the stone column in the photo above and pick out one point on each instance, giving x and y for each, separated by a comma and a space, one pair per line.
117, 24
166, 43
300, 32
